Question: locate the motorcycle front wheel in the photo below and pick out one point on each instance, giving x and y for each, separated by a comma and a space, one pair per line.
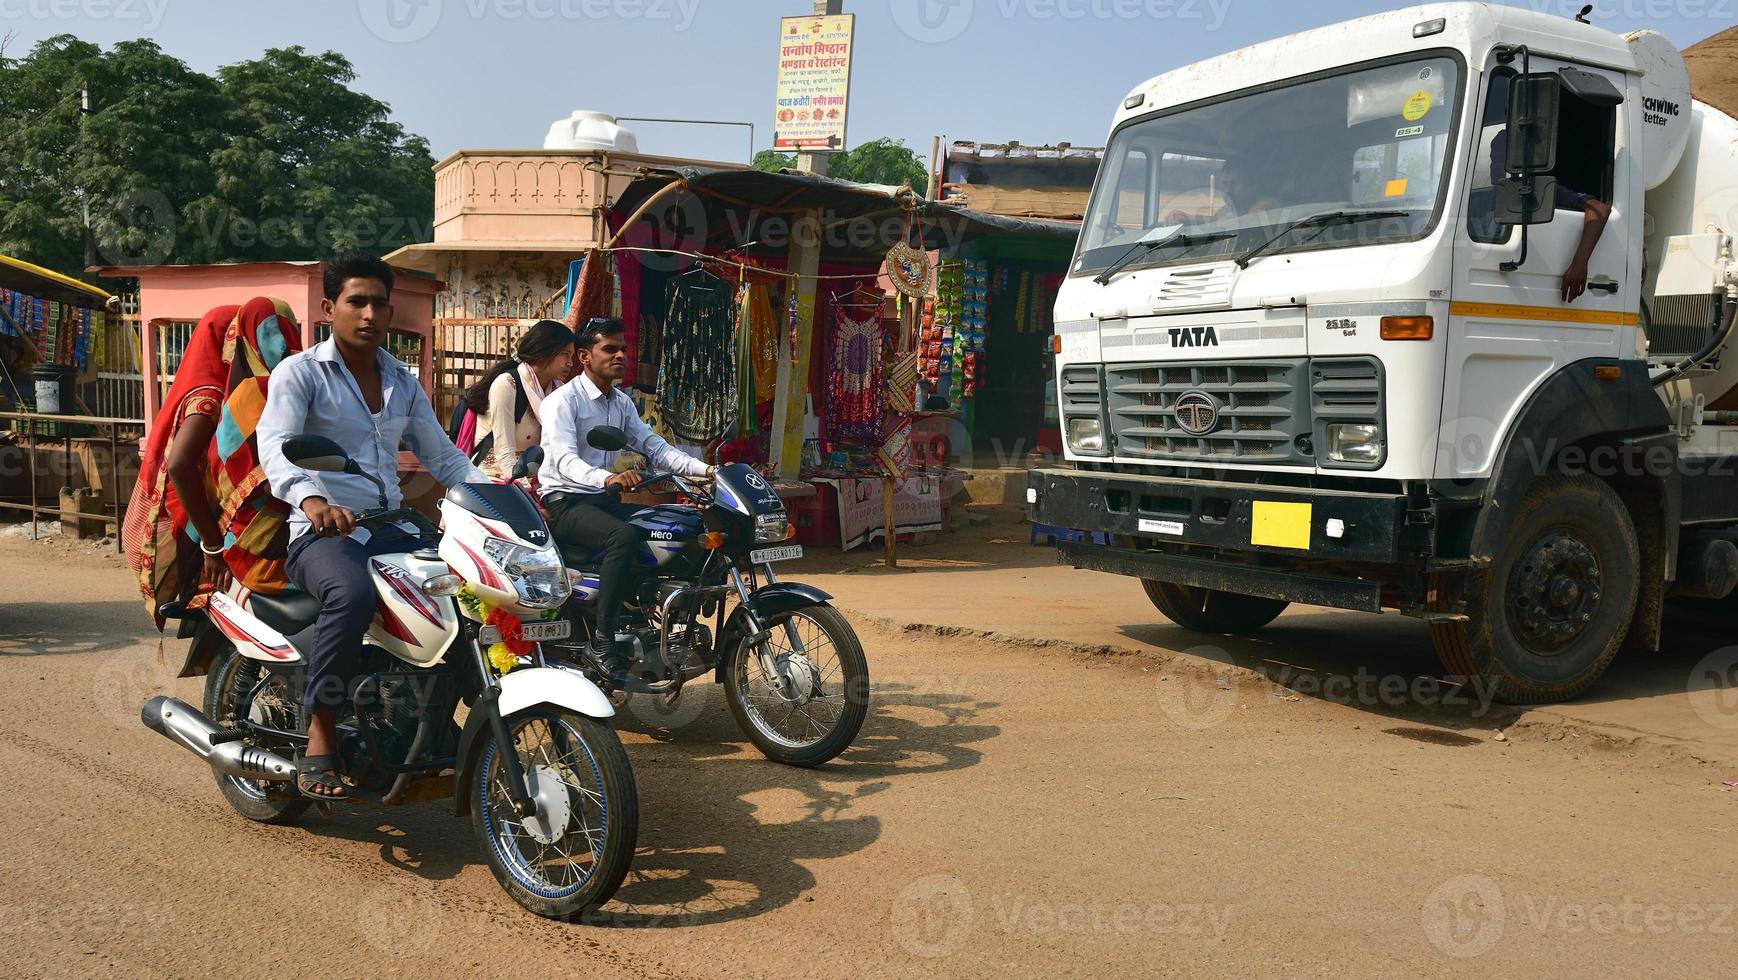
814, 709
571, 855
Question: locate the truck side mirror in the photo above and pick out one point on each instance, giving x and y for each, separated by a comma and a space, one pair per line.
1532, 123
1526, 200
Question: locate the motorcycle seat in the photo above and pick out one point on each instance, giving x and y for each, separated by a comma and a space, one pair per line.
577, 557
289, 613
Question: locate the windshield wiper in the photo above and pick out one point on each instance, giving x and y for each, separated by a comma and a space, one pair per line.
1144, 246
1321, 220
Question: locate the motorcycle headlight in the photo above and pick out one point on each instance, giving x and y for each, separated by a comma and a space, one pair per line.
772, 527
537, 573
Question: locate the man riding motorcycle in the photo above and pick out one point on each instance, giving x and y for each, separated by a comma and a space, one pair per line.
576, 477
351, 391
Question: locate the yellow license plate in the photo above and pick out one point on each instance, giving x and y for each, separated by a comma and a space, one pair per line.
1280, 525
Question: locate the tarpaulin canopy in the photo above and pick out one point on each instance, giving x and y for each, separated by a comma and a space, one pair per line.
34, 280
704, 209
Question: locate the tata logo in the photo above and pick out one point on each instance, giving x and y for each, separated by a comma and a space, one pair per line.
1193, 337
1197, 412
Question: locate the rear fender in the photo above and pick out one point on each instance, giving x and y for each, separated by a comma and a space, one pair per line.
764, 602
521, 690
208, 643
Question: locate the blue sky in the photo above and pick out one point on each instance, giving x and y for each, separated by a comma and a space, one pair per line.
495, 73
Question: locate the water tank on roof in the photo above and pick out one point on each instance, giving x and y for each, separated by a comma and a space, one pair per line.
586, 130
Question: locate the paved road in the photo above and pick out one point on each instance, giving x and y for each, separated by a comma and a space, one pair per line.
1010, 809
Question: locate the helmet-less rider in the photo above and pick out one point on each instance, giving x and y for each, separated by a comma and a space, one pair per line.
577, 478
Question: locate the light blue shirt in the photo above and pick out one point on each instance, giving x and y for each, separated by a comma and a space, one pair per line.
571, 465
314, 393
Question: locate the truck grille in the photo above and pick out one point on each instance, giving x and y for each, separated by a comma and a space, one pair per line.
1260, 411
1255, 404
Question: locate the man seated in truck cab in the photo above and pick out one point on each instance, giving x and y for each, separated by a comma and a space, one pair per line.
1594, 214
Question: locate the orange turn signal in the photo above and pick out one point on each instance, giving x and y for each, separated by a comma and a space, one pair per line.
1608, 372
1407, 328
713, 540
1055, 343
790, 531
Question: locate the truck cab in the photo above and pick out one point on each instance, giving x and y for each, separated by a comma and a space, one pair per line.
1315, 346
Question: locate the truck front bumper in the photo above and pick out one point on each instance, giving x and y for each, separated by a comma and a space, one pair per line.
1325, 547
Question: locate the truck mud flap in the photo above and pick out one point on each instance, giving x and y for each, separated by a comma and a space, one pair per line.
1315, 590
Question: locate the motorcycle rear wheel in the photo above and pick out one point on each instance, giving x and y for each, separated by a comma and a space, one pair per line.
782, 729
227, 684
571, 856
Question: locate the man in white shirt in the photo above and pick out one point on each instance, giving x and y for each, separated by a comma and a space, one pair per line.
351, 391
576, 478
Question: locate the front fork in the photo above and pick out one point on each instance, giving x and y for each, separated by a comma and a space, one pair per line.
791, 676
489, 702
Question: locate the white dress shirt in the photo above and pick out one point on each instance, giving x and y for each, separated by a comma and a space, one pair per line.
314, 393
571, 465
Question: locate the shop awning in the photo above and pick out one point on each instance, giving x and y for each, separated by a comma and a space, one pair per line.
716, 210
34, 280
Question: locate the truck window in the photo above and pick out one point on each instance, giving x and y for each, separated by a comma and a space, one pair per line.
1373, 136
1586, 155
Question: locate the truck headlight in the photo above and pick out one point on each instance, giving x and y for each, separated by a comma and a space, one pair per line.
1086, 435
1355, 442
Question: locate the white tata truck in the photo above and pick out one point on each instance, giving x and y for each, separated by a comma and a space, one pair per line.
1314, 344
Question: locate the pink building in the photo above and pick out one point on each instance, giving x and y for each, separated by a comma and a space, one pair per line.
172, 298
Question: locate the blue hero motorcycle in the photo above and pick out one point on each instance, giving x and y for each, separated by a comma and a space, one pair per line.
793, 670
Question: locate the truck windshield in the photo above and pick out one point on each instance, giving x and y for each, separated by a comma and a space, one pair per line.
1371, 138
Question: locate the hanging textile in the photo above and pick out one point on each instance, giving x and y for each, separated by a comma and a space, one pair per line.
591, 291
756, 354
697, 364
855, 395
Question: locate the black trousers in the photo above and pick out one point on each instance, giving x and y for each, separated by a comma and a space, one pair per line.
335, 571
588, 522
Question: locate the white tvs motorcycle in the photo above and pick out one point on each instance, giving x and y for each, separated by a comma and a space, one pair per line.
532, 761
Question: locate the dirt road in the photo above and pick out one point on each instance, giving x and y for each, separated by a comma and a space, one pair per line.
1009, 810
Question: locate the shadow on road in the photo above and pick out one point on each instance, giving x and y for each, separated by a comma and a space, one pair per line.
707, 854
38, 629
1386, 665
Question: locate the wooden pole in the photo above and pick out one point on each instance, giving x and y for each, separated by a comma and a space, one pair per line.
891, 544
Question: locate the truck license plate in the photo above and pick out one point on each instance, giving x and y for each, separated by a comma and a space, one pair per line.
765, 555
554, 629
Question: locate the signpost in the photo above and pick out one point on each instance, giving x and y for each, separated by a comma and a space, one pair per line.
814, 82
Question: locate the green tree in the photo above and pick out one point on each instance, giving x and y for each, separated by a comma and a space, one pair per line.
879, 161
273, 158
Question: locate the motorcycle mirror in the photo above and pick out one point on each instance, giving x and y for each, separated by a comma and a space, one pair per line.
608, 438
530, 461
317, 453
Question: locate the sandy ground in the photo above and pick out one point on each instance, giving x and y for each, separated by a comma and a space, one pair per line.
1011, 808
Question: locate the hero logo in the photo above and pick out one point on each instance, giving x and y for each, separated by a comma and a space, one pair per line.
1193, 337
1655, 111
661, 535
754, 480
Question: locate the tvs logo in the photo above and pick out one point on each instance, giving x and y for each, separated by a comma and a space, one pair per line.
1197, 413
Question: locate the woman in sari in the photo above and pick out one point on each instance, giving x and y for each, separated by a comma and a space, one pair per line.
202, 514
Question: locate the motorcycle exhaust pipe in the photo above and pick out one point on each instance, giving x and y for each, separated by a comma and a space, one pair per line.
224, 751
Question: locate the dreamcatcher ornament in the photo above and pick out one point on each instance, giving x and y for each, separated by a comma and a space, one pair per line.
908, 267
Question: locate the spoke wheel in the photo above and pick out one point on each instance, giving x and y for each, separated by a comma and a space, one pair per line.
232, 679
811, 706
571, 853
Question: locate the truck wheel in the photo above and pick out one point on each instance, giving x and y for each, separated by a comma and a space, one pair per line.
1546, 619
1210, 610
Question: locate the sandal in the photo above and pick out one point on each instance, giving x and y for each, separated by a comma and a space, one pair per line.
320, 771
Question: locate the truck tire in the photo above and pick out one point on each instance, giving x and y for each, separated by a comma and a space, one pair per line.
1545, 619
1210, 610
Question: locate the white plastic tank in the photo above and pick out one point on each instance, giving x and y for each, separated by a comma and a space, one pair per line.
587, 130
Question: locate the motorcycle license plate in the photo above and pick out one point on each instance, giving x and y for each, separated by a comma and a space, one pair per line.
765, 555
554, 629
